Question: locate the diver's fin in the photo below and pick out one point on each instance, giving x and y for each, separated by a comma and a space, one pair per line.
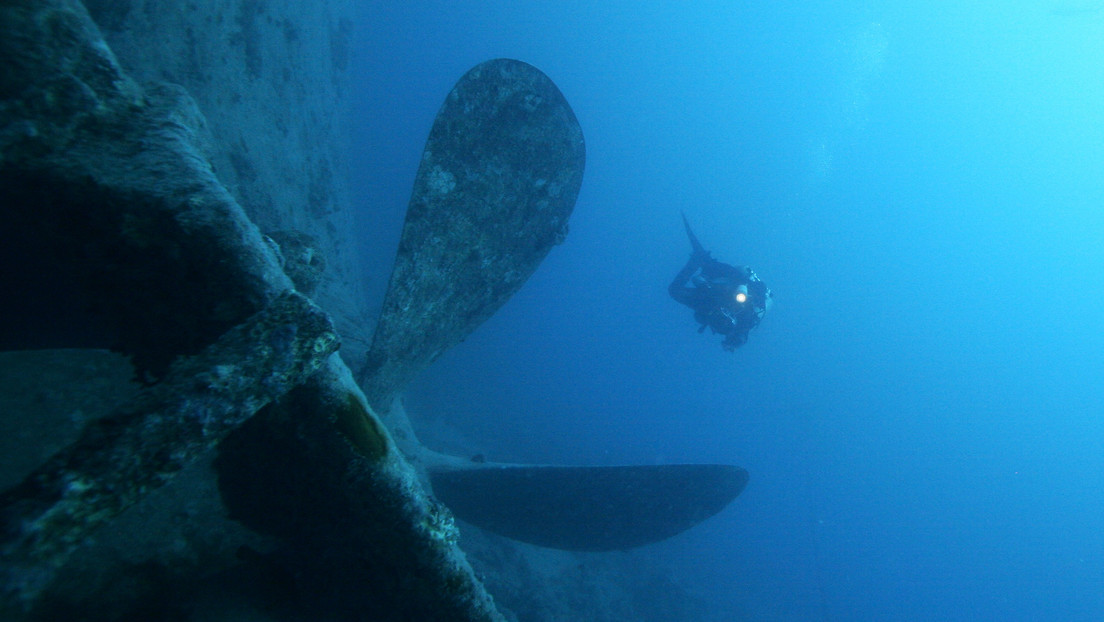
497, 182
693, 238
587, 508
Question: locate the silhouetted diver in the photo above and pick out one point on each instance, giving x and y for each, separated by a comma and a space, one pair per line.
729, 300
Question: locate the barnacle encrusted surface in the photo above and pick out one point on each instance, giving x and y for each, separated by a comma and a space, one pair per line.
498, 180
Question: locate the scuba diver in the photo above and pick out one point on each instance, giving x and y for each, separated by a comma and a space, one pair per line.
729, 300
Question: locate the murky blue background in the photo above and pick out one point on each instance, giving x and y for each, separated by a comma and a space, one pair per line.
922, 188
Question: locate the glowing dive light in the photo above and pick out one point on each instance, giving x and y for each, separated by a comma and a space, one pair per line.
741, 294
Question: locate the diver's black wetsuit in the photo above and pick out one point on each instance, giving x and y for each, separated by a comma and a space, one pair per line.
710, 288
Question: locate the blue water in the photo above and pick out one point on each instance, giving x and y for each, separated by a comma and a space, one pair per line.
921, 186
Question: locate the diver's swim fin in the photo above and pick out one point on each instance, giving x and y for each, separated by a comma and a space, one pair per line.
698, 250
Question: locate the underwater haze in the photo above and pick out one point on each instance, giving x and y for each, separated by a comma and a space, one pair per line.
921, 185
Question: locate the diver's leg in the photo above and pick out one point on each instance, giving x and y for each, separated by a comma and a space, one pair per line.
678, 288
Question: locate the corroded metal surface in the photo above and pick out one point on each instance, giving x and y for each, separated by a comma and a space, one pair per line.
106, 182
498, 180
140, 447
